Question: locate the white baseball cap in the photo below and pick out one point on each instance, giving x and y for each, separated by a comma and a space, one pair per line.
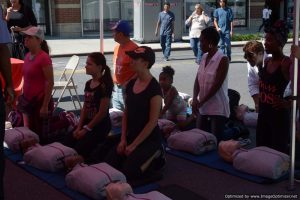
35, 31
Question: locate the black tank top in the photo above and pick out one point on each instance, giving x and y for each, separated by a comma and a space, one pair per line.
271, 86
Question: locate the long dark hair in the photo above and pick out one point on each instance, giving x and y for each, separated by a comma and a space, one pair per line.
45, 47
99, 59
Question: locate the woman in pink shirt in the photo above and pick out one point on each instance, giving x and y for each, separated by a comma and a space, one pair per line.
38, 80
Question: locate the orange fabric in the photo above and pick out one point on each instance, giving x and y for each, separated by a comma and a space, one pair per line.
122, 71
17, 75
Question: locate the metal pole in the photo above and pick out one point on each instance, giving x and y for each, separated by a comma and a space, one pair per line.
294, 105
101, 26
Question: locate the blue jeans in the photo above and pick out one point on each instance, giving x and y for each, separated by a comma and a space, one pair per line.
2, 132
118, 97
195, 45
225, 44
165, 43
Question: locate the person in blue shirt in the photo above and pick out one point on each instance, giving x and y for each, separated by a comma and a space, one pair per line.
223, 19
166, 24
5, 71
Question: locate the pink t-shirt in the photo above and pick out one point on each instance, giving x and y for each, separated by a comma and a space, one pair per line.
35, 82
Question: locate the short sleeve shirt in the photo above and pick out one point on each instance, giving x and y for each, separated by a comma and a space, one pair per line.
92, 98
138, 110
224, 17
121, 62
166, 20
34, 79
4, 34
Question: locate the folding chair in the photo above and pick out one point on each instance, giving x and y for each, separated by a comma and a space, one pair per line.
67, 82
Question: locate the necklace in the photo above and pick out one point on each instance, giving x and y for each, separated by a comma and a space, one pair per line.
31, 57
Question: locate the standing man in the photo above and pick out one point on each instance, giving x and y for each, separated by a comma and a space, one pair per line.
223, 23
166, 24
5, 71
265, 17
122, 71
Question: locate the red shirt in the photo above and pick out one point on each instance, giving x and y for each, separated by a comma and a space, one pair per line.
35, 82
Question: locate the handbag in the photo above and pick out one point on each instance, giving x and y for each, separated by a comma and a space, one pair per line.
24, 105
18, 49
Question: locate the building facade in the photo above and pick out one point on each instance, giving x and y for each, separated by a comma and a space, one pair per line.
80, 18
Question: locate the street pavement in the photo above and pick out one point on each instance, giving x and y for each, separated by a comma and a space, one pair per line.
183, 62
68, 47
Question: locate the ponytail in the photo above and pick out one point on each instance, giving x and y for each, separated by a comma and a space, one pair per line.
45, 47
107, 79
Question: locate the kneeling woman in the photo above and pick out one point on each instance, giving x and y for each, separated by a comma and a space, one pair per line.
94, 124
140, 138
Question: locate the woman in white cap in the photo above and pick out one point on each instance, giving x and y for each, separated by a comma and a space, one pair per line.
38, 81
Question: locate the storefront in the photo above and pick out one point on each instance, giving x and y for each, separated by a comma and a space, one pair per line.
113, 11
76, 18
41, 11
123, 9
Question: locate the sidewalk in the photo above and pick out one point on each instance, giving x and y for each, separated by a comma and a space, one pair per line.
68, 47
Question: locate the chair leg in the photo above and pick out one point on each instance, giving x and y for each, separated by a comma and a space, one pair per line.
59, 98
71, 95
78, 99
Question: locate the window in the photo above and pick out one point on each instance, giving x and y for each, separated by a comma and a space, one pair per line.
113, 11
239, 9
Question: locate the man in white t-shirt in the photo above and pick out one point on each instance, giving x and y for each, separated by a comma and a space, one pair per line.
254, 53
266, 13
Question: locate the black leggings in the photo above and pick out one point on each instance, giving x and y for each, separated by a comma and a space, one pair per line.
131, 165
89, 142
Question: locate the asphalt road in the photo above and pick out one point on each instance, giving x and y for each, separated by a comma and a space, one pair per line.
185, 72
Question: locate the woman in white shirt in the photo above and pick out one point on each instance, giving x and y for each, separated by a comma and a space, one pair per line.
210, 98
196, 23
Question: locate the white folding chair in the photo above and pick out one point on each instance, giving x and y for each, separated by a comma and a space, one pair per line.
66, 81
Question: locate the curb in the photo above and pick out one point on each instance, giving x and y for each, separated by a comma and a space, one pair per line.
240, 44
233, 44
